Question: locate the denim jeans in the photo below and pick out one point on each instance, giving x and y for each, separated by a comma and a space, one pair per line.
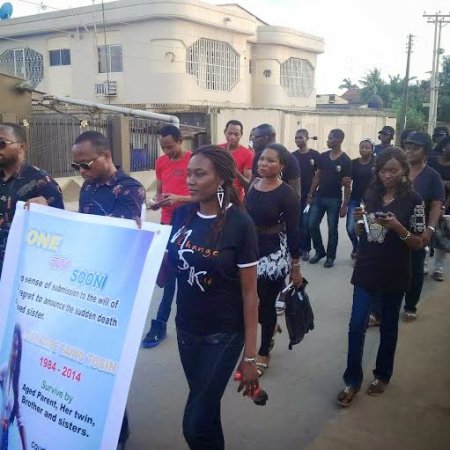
305, 235
208, 362
352, 205
390, 310
412, 295
321, 206
167, 298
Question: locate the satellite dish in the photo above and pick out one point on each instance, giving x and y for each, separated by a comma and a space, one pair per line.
6, 11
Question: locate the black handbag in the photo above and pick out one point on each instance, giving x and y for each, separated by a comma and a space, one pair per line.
298, 314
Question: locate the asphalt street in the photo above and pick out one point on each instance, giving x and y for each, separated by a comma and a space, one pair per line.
302, 384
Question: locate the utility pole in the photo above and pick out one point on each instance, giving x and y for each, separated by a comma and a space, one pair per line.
406, 82
438, 19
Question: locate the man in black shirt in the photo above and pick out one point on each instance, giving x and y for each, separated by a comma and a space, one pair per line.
307, 159
385, 135
439, 134
334, 171
263, 135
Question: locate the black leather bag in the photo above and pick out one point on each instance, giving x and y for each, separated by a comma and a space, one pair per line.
298, 314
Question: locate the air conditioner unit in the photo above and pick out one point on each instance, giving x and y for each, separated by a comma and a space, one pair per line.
106, 88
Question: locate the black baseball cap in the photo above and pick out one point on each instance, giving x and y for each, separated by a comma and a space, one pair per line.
440, 131
419, 138
387, 130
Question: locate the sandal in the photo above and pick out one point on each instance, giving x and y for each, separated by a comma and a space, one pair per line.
261, 366
345, 397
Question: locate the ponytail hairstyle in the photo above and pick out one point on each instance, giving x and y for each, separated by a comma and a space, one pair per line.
376, 189
225, 169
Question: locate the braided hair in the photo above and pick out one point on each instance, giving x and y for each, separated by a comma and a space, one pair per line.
225, 168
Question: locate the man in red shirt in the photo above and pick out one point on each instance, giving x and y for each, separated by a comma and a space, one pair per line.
171, 192
243, 156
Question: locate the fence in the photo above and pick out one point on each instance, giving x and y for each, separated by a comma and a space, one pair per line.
51, 137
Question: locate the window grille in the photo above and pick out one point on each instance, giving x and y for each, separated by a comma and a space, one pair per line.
297, 77
60, 57
23, 63
106, 88
214, 64
110, 58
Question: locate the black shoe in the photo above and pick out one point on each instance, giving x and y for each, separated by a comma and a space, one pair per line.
317, 257
305, 255
156, 334
328, 263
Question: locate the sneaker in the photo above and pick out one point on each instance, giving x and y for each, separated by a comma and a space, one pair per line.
317, 257
280, 307
426, 269
409, 316
305, 255
328, 263
438, 275
374, 321
345, 397
156, 334
376, 387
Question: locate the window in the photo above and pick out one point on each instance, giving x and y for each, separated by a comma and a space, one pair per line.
214, 64
297, 77
59, 57
110, 58
23, 63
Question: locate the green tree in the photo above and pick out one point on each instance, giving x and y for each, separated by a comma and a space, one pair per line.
444, 91
347, 84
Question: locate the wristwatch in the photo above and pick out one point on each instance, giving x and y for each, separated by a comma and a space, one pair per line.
249, 360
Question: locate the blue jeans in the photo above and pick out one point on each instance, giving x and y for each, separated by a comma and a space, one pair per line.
412, 295
352, 205
167, 298
305, 235
208, 362
390, 309
321, 206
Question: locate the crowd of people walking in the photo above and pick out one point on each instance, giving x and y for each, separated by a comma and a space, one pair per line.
243, 220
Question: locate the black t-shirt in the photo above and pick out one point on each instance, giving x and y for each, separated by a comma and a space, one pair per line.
268, 209
290, 172
209, 297
361, 177
428, 184
332, 171
308, 166
442, 170
384, 260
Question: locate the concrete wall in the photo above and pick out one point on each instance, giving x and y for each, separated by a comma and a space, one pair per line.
356, 126
14, 105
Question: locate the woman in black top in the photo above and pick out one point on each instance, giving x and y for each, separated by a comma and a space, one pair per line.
362, 171
389, 227
274, 207
214, 251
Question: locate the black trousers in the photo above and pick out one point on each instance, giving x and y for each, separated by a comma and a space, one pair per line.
268, 291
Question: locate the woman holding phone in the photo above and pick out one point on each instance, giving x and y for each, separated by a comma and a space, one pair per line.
390, 226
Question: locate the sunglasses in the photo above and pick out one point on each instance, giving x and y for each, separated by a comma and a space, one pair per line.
4, 143
84, 165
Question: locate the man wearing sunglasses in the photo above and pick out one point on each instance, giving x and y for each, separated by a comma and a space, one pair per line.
107, 189
20, 181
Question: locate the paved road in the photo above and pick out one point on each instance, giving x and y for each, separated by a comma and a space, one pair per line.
302, 384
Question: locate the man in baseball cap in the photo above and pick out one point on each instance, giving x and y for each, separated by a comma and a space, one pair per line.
439, 134
385, 135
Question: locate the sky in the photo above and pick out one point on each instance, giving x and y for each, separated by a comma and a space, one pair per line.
359, 34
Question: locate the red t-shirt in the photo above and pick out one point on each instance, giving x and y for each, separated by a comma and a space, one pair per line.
243, 158
172, 174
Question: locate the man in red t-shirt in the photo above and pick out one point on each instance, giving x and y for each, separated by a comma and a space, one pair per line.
243, 156
171, 192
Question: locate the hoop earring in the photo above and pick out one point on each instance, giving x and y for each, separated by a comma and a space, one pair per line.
280, 175
220, 195
404, 179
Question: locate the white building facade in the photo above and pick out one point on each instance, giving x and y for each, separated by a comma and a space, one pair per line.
150, 52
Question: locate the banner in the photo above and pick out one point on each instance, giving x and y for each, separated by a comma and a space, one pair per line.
74, 297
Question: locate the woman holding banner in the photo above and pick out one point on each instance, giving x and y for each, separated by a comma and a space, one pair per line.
9, 383
214, 250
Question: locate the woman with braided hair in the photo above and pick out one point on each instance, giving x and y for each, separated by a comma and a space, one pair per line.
214, 252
